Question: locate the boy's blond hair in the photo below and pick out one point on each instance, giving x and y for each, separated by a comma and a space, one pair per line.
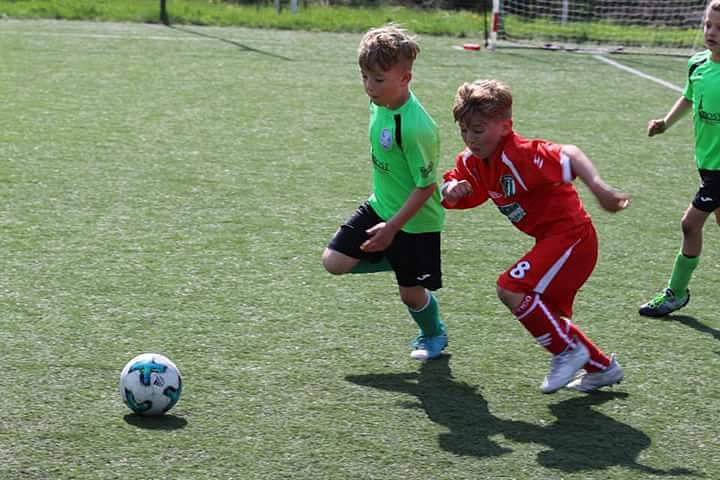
713, 5
383, 48
488, 98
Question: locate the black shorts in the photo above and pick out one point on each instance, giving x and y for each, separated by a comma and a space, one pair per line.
707, 197
415, 257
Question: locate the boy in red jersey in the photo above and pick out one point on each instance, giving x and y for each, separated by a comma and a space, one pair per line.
530, 182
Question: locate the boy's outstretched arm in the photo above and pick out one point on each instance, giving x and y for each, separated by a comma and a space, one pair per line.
609, 199
457, 190
660, 125
382, 234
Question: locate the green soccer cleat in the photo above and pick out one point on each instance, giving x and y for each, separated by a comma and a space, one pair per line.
664, 304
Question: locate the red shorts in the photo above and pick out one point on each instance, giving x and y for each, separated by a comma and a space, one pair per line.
556, 268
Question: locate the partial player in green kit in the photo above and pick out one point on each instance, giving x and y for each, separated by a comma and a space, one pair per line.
398, 227
702, 96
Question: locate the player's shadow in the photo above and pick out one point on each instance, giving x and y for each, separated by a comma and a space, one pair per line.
160, 422
695, 324
230, 42
581, 439
585, 439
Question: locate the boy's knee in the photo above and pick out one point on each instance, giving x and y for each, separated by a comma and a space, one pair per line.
415, 298
512, 300
337, 263
689, 227
331, 264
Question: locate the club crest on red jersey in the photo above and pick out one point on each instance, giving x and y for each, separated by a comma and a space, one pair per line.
507, 182
386, 138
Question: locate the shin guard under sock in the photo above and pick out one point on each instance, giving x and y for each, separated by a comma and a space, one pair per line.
428, 317
547, 327
598, 360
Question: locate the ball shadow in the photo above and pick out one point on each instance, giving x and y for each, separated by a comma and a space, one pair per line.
160, 422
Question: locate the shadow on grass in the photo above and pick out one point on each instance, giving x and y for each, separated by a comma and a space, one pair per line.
581, 439
695, 324
230, 42
161, 422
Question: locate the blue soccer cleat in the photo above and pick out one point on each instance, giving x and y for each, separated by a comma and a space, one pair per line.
428, 348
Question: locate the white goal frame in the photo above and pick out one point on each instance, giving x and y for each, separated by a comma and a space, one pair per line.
682, 15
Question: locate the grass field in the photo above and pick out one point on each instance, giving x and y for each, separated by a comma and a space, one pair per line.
171, 189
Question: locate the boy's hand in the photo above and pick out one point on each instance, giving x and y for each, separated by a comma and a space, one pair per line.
612, 200
656, 127
455, 190
381, 236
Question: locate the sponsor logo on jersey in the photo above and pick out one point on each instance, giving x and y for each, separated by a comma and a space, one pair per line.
538, 161
712, 117
427, 169
386, 138
514, 212
507, 182
380, 165
494, 194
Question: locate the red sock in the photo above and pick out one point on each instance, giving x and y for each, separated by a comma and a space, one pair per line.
598, 360
549, 329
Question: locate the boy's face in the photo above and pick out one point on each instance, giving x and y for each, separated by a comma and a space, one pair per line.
387, 88
482, 136
712, 31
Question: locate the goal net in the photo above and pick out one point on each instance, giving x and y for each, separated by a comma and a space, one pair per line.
672, 25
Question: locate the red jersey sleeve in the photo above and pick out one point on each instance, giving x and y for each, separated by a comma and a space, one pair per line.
464, 171
548, 164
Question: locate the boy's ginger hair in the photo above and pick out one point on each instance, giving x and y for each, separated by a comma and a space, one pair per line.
488, 98
383, 48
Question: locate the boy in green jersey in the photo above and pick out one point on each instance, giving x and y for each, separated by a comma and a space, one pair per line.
398, 227
702, 95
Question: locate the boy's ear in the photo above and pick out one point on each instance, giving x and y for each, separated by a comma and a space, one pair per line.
407, 77
507, 126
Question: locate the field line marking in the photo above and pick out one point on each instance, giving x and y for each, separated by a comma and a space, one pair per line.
110, 36
640, 74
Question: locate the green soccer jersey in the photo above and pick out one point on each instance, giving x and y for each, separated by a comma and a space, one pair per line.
405, 149
703, 90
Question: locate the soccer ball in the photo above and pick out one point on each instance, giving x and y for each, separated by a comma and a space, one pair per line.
150, 384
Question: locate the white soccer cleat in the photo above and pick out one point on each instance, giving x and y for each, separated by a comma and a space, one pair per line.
588, 382
564, 366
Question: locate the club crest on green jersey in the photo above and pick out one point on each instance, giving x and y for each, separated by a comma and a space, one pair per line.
386, 138
507, 182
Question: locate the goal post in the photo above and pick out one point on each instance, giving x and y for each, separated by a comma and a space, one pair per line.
494, 25
620, 25
163, 13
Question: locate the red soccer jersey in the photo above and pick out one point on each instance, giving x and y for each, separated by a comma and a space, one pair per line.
530, 181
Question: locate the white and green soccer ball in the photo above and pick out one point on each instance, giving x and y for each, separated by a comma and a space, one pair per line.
150, 384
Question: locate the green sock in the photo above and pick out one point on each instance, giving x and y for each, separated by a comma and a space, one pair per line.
428, 319
366, 266
681, 274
